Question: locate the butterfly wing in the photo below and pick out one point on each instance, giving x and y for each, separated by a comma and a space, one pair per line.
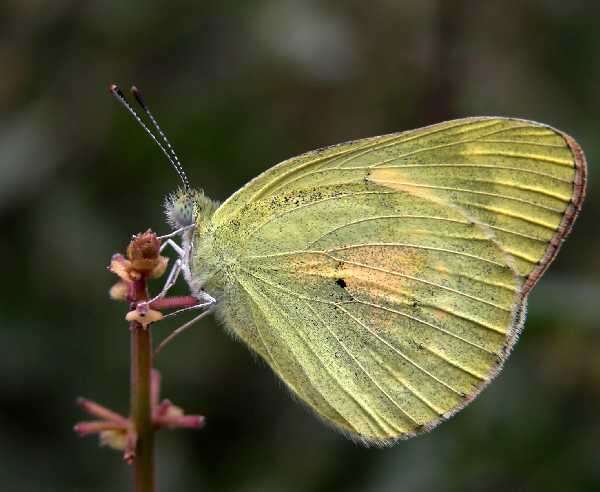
385, 279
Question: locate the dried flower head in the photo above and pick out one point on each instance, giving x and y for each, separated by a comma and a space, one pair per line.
144, 252
143, 261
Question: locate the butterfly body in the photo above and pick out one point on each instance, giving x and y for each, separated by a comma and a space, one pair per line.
385, 280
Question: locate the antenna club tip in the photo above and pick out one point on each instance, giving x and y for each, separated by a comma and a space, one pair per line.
116, 91
138, 97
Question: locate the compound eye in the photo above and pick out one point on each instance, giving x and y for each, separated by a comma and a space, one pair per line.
184, 213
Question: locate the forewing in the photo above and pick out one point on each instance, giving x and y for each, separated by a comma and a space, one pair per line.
384, 279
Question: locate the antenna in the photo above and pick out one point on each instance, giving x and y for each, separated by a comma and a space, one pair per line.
138, 97
114, 89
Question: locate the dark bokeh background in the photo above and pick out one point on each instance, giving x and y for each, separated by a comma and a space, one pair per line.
240, 86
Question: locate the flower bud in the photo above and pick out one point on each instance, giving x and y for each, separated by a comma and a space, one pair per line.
115, 439
144, 252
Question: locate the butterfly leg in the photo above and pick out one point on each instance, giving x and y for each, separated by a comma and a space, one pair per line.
170, 282
183, 327
178, 249
188, 245
180, 264
176, 232
175, 270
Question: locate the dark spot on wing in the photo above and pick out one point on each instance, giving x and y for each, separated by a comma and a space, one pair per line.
341, 282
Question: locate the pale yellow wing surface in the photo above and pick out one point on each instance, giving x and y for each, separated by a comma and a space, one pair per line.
384, 280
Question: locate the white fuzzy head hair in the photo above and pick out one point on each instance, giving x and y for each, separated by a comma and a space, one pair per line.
185, 206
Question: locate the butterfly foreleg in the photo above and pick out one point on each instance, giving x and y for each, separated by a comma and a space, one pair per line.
176, 232
181, 265
170, 282
178, 249
188, 246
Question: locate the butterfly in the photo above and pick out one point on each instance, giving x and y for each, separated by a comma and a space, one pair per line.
384, 280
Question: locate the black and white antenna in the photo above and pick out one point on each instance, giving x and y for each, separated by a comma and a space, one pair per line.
170, 154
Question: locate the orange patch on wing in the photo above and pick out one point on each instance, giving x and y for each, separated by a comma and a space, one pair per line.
375, 286
380, 272
394, 178
398, 259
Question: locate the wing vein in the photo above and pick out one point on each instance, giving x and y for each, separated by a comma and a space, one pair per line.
453, 363
476, 166
446, 145
380, 217
426, 323
404, 383
525, 142
400, 353
359, 404
495, 284
529, 157
394, 402
510, 214
426, 134
415, 246
474, 192
427, 282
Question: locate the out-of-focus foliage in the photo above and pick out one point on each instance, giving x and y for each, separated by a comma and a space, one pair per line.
240, 86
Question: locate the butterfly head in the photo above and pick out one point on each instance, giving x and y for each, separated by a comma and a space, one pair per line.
186, 207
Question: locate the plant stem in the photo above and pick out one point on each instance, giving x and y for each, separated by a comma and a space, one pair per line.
141, 409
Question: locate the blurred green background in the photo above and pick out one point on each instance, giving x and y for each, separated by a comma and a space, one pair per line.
239, 86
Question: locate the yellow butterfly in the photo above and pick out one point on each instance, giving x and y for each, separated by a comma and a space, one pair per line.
385, 280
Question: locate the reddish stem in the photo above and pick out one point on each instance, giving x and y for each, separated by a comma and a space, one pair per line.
141, 395
175, 302
147, 413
